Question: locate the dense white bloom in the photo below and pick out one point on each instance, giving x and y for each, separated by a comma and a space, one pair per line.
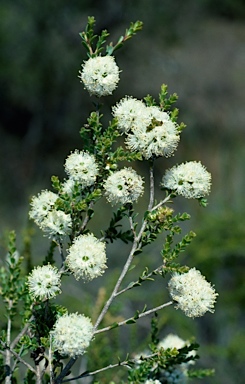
100, 75
174, 341
57, 223
86, 257
44, 282
130, 113
159, 136
72, 334
193, 294
190, 179
68, 186
41, 205
150, 381
124, 186
171, 341
81, 167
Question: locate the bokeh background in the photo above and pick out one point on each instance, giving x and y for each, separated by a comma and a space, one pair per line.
198, 49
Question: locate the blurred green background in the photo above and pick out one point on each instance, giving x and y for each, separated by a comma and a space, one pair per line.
198, 49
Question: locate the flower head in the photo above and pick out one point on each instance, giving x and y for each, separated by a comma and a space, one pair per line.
68, 186
124, 186
130, 113
44, 282
192, 293
171, 341
86, 257
41, 205
100, 75
150, 381
158, 136
57, 223
190, 180
81, 167
174, 341
72, 334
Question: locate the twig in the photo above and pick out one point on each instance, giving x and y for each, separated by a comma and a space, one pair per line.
18, 357
125, 363
131, 254
24, 330
146, 313
65, 371
152, 193
146, 277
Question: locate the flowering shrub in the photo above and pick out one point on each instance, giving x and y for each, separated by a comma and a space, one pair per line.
54, 338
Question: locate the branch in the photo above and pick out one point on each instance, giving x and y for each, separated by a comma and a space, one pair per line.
125, 363
24, 330
141, 279
138, 316
18, 357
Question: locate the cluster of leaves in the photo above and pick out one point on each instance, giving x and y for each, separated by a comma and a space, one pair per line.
95, 44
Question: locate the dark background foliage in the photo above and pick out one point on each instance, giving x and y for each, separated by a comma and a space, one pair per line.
197, 48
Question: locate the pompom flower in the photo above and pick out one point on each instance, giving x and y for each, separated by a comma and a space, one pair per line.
174, 341
190, 179
72, 334
44, 282
171, 341
192, 293
130, 113
57, 223
81, 167
100, 75
41, 205
124, 186
159, 136
86, 257
68, 186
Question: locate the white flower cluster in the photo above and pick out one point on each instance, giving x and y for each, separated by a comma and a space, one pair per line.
150, 381
174, 341
124, 186
53, 222
86, 257
81, 167
149, 130
193, 294
72, 334
100, 75
190, 179
44, 282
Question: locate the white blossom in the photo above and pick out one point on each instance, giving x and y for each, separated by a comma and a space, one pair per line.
171, 341
190, 179
150, 381
68, 186
124, 186
86, 257
81, 167
41, 205
44, 282
100, 75
159, 136
72, 334
192, 293
174, 341
57, 223
131, 114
